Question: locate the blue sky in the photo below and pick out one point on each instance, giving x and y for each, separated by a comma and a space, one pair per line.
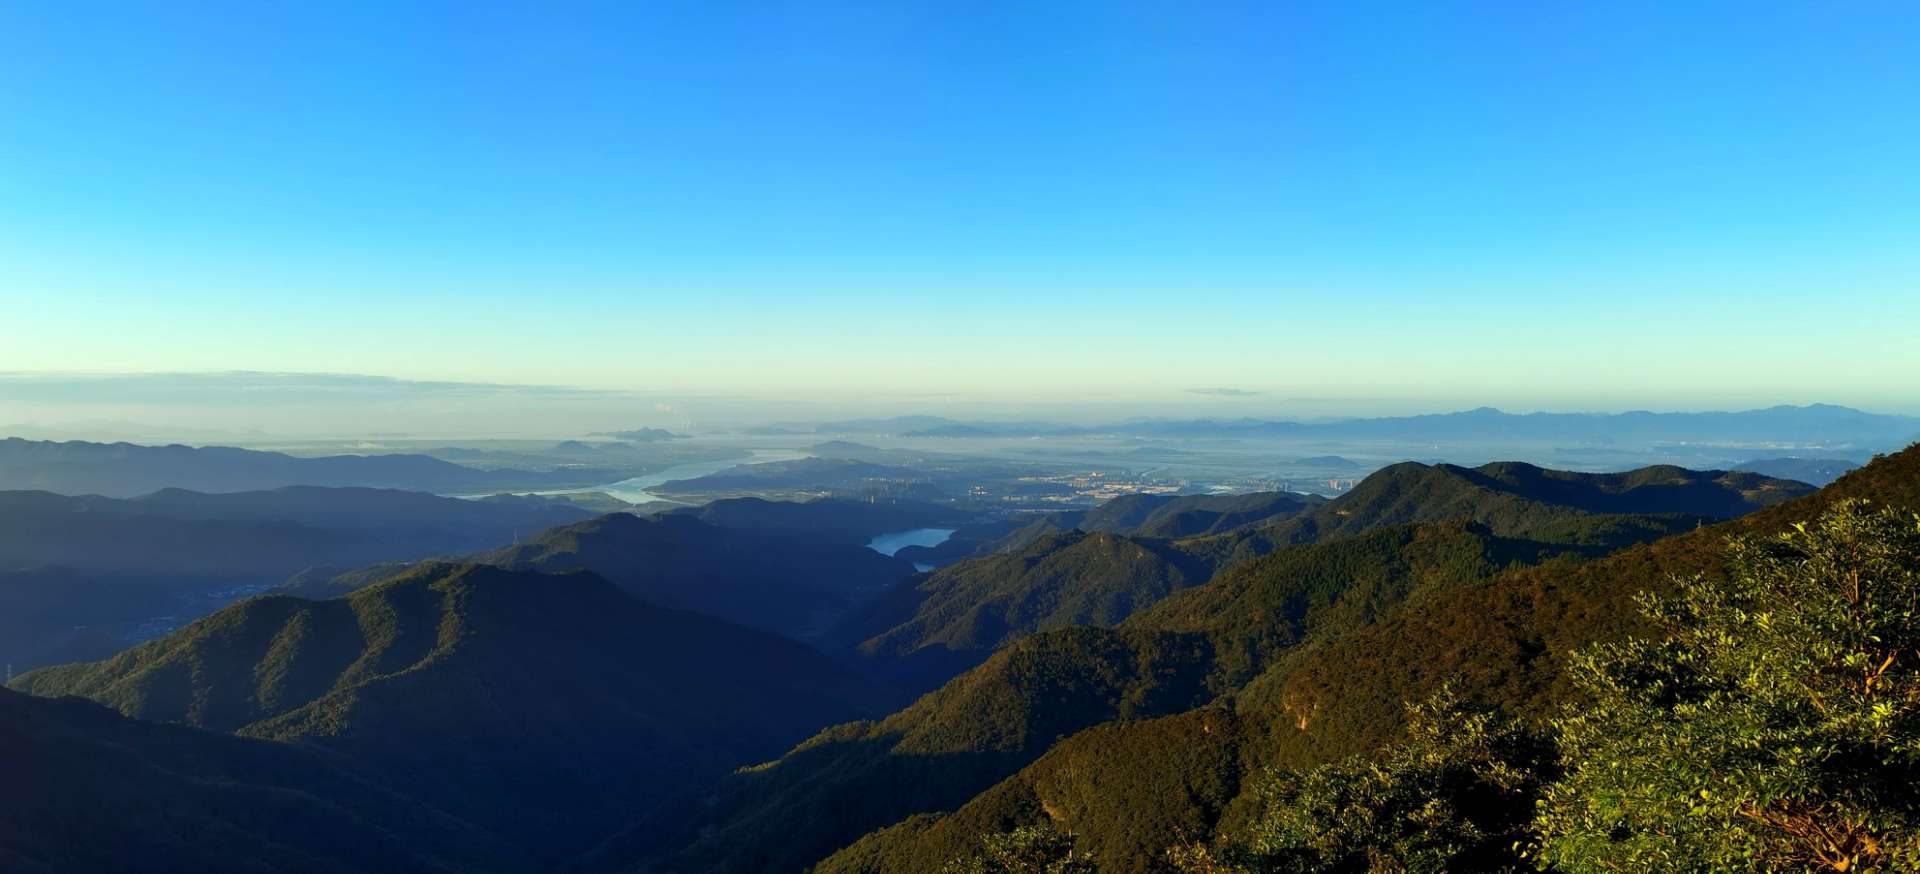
1382, 207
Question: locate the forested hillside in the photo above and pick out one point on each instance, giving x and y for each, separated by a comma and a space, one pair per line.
1050, 573
1502, 639
991, 721
927, 630
545, 709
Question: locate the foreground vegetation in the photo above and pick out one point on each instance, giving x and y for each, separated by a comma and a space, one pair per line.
1772, 724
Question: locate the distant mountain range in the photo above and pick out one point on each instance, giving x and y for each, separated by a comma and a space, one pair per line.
126, 470
1815, 424
79, 574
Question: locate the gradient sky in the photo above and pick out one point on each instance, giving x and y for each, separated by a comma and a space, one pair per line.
1386, 206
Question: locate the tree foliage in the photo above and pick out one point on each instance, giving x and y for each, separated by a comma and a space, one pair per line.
1455, 795
1032, 849
1775, 727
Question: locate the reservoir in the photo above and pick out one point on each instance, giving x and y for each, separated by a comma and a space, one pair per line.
888, 544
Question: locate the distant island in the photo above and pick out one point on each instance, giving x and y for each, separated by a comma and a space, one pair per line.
1811, 425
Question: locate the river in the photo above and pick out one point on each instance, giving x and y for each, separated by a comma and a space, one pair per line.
635, 490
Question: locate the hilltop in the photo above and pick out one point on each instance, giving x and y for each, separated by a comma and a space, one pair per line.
1049, 573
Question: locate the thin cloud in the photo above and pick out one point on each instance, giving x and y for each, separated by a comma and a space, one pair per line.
1226, 392
256, 387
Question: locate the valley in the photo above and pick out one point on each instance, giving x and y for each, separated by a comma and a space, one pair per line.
934, 662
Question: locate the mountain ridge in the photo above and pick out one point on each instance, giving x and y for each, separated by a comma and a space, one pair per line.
1812, 423
1501, 637
125, 470
83, 576
472, 687
1416, 531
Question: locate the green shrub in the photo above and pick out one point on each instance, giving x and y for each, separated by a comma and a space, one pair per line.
1456, 795
1033, 849
1775, 727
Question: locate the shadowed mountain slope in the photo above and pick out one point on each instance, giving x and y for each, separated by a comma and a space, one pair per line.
546, 709
50, 615
789, 584
1814, 471
825, 519
85, 789
85, 576
258, 536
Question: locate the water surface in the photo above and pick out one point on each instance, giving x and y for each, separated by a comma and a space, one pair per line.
888, 544
635, 490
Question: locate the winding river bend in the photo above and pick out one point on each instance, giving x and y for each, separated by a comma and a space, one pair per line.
636, 490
